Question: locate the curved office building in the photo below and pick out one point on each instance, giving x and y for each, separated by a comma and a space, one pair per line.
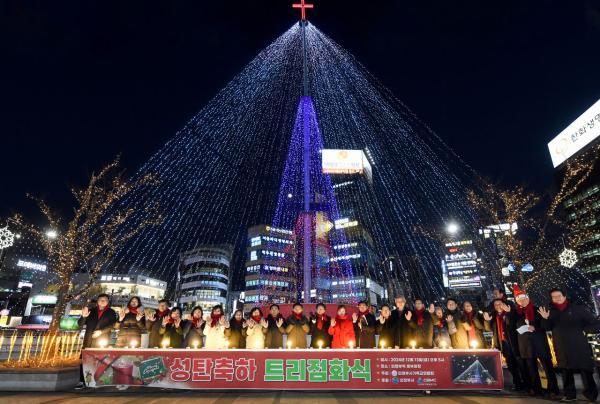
204, 277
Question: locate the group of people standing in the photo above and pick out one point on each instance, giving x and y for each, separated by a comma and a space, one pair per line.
518, 330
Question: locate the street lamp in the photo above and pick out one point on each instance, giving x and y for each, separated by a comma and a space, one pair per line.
452, 228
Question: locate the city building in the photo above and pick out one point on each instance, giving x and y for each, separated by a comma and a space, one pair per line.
580, 140
121, 287
271, 269
352, 245
204, 275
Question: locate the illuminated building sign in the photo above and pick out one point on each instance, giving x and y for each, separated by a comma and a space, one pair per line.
459, 266
576, 136
31, 265
44, 299
345, 222
336, 161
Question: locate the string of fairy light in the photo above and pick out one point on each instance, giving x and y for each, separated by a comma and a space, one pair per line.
226, 171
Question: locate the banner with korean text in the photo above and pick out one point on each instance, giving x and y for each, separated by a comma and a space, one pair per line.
295, 369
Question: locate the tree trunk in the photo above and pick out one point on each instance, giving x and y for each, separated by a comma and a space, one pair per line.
59, 309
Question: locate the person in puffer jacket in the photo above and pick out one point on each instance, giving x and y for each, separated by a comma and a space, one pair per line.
342, 330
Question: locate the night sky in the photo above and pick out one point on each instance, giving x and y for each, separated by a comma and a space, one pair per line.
82, 81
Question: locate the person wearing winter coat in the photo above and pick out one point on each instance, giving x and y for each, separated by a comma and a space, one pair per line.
569, 323
458, 334
275, 328
502, 324
342, 330
154, 322
130, 324
386, 328
364, 327
99, 323
256, 329
236, 333
214, 330
193, 330
171, 329
441, 334
400, 319
319, 328
297, 328
422, 325
533, 344
472, 322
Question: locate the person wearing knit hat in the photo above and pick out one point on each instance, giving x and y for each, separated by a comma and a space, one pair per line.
533, 344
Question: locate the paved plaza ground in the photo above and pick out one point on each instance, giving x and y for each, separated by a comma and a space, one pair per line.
185, 397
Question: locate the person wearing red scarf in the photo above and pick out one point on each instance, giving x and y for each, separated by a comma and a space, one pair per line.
342, 330
472, 322
319, 328
154, 321
99, 322
569, 324
533, 344
215, 329
256, 329
131, 323
422, 325
275, 328
297, 328
364, 327
171, 329
502, 324
441, 334
193, 329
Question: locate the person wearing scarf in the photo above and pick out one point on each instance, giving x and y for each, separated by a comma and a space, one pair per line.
385, 328
98, 321
297, 328
441, 335
422, 325
533, 344
319, 328
342, 330
502, 324
472, 322
236, 333
569, 324
215, 329
171, 329
275, 328
256, 330
154, 321
130, 324
458, 334
364, 327
193, 329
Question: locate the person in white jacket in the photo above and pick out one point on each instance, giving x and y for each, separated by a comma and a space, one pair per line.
256, 330
215, 329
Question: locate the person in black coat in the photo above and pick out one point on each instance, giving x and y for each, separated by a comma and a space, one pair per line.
422, 325
275, 328
386, 328
569, 323
364, 327
99, 323
400, 319
319, 328
154, 321
472, 322
236, 333
502, 322
533, 344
